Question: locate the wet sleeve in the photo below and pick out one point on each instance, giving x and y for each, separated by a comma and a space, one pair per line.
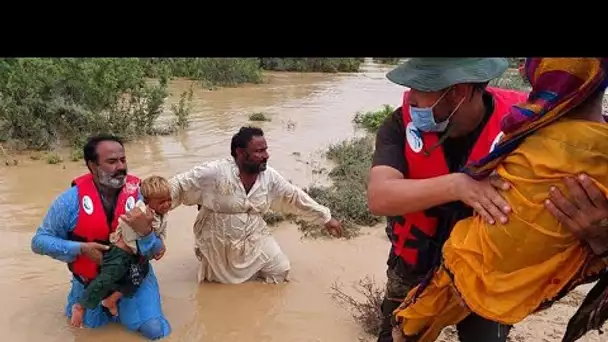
288, 198
51, 237
149, 245
186, 188
390, 143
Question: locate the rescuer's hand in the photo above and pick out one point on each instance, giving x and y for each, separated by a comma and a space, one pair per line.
139, 221
483, 196
93, 251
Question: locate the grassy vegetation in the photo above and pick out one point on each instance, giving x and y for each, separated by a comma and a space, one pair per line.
54, 158
346, 196
312, 64
373, 119
259, 117
50, 102
365, 306
387, 60
211, 72
226, 72
182, 110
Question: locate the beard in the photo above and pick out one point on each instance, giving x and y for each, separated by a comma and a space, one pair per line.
253, 168
114, 180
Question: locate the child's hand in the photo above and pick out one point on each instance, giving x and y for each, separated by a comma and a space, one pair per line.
161, 253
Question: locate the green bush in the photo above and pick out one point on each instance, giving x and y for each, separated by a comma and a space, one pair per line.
373, 119
330, 65
346, 196
387, 60
182, 109
46, 100
259, 117
223, 72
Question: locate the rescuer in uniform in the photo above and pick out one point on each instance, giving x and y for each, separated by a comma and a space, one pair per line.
76, 230
449, 116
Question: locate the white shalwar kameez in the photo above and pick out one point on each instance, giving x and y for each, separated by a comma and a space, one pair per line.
232, 240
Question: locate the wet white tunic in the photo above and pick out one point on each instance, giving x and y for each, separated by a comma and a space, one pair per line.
232, 240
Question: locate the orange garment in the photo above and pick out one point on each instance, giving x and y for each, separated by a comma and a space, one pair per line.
505, 272
422, 320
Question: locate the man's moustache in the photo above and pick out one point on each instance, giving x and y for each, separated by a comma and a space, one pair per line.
119, 173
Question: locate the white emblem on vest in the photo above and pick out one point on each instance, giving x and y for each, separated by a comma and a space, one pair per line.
414, 137
496, 141
130, 203
131, 188
87, 204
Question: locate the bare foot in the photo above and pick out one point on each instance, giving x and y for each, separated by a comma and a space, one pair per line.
111, 306
110, 303
77, 315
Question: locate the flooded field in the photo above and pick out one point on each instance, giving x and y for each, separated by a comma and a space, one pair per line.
308, 112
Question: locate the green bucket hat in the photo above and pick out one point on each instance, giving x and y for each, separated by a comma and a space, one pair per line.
433, 74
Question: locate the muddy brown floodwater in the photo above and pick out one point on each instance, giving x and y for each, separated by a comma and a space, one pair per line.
308, 112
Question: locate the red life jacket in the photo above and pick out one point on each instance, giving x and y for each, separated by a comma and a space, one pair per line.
92, 224
413, 232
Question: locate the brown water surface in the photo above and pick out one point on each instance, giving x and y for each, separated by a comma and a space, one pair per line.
308, 112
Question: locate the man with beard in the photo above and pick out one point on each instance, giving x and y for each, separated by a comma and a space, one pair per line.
77, 227
232, 240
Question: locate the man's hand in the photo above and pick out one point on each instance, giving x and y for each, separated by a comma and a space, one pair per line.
93, 251
397, 334
334, 227
483, 196
585, 214
140, 221
160, 253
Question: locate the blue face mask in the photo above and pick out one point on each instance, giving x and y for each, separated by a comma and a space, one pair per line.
424, 119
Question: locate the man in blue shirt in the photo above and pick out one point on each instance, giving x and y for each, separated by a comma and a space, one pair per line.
74, 232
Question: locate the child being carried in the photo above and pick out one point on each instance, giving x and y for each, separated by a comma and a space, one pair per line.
123, 253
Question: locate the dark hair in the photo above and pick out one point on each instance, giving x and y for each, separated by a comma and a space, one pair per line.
90, 148
480, 86
243, 137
